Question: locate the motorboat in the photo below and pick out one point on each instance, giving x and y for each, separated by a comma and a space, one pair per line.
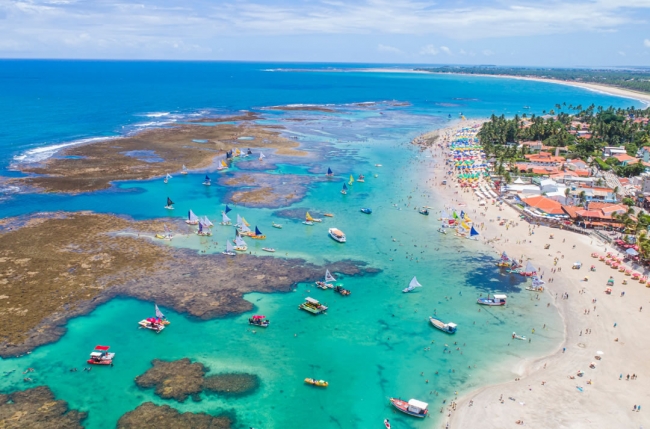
317, 383
328, 215
312, 306
277, 225
101, 356
413, 407
337, 235
268, 249
495, 300
448, 328
366, 210
424, 211
259, 320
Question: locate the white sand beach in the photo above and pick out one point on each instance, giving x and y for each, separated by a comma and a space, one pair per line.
546, 392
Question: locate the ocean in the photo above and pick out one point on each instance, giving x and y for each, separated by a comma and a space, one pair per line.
372, 345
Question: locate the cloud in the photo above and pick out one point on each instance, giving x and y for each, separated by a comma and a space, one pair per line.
446, 50
386, 48
487, 52
462, 52
646, 43
429, 50
621, 53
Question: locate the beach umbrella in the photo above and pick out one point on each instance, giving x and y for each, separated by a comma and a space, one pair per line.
631, 252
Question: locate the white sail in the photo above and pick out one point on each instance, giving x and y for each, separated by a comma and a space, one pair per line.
530, 268
224, 218
239, 221
329, 277
206, 222
192, 216
159, 313
262, 156
168, 176
537, 282
444, 215
414, 283
244, 228
239, 241
229, 247
184, 168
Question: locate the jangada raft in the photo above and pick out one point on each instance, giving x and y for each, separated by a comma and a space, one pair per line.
448, 328
318, 383
326, 283
259, 320
312, 306
495, 300
156, 324
413, 407
101, 356
412, 285
258, 235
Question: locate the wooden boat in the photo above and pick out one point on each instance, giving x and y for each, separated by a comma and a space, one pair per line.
258, 235
424, 212
260, 321
448, 328
495, 300
207, 181
325, 284
170, 204
308, 222
240, 245
167, 177
318, 383
328, 215
341, 290
277, 225
152, 323
412, 285
230, 249
413, 407
225, 220
308, 218
344, 191
361, 178
166, 236
337, 235
204, 231
192, 219
312, 306
268, 249
184, 170
330, 173
101, 356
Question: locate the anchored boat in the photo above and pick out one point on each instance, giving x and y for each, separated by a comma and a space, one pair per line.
340, 289
448, 328
184, 170
413, 407
192, 219
101, 356
326, 284
230, 249
366, 210
361, 178
240, 245
495, 300
259, 320
344, 191
170, 204
308, 218
337, 235
258, 235
318, 383
312, 306
207, 181
277, 225
412, 285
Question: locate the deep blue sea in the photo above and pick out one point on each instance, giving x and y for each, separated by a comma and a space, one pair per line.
369, 346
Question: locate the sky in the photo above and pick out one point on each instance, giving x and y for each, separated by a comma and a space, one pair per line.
570, 33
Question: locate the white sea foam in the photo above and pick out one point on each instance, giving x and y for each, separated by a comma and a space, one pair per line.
41, 153
156, 114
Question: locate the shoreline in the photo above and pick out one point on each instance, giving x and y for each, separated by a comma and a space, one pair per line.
544, 394
603, 89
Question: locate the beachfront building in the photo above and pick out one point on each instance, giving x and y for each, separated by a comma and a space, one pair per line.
594, 193
542, 206
595, 215
626, 159
545, 159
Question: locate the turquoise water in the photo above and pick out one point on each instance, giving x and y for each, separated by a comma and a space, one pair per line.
369, 346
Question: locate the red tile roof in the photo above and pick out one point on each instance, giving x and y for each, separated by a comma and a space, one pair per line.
625, 157
544, 204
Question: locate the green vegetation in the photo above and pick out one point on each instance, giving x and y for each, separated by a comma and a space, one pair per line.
634, 79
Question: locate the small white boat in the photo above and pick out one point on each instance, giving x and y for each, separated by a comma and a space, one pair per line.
518, 337
448, 328
412, 285
230, 249
240, 245
277, 225
308, 222
268, 249
495, 300
337, 235
442, 230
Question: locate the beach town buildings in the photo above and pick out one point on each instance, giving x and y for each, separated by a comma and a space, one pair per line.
613, 150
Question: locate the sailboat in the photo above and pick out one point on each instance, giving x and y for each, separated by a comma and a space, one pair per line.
414, 283
203, 231
170, 204
240, 244
473, 234
537, 286
351, 181
207, 182
249, 152
244, 230
308, 218
230, 249
326, 283
258, 234
227, 209
329, 172
167, 177
192, 219
184, 170
262, 156
161, 316
243, 219
344, 191
167, 235
530, 270
222, 165
225, 220
239, 222
206, 222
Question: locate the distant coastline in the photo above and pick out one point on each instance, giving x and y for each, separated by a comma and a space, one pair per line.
603, 89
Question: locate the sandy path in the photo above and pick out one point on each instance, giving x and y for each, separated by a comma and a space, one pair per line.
605, 403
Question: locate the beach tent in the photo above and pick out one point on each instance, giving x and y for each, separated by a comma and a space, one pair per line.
631, 252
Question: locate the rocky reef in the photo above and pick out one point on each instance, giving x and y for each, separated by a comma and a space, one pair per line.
150, 415
37, 408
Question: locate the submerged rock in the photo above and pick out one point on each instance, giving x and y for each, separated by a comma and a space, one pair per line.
231, 384
174, 380
37, 408
150, 415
